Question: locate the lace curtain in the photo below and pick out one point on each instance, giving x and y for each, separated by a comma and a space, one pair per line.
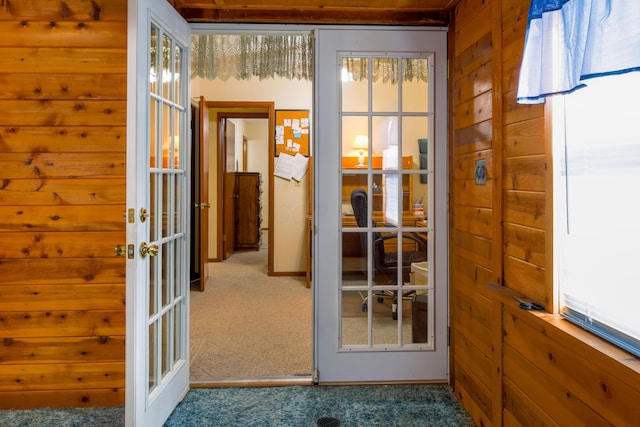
386, 69
220, 56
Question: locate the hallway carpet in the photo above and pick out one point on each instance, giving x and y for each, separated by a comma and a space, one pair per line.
300, 406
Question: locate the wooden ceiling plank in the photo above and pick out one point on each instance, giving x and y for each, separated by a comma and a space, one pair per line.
385, 17
406, 5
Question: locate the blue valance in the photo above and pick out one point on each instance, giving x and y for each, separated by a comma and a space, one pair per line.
570, 41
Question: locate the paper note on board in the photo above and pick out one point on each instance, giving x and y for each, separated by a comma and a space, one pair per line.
301, 166
284, 166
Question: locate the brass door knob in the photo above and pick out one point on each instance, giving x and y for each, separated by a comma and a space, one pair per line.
120, 250
146, 249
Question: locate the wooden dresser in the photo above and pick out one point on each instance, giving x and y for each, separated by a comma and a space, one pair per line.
247, 210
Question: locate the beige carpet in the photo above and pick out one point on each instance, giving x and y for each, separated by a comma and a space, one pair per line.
250, 325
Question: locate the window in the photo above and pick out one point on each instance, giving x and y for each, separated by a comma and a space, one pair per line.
597, 207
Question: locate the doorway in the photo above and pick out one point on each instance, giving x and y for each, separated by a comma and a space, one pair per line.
241, 323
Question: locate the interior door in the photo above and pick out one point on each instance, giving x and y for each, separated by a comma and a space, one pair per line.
381, 293
158, 108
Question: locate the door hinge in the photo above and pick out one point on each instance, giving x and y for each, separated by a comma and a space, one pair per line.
316, 375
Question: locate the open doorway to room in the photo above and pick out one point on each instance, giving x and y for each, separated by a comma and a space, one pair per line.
253, 321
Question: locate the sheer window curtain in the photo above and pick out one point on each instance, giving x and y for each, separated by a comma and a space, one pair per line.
570, 41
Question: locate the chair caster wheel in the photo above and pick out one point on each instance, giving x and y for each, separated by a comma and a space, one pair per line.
380, 300
394, 316
365, 307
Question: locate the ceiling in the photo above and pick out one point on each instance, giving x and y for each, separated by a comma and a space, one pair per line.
382, 12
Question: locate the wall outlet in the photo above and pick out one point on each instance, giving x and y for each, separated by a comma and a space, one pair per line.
481, 172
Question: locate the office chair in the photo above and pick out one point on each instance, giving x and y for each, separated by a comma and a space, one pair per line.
385, 262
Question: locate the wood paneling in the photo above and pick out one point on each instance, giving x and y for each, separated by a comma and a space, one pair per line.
63, 139
510, 366
62, 197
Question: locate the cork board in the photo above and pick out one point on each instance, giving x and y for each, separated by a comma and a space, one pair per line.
292, 132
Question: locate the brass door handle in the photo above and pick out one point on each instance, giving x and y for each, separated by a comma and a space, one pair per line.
146, 249
120, 250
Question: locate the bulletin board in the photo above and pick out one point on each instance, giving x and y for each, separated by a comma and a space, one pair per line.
292, 132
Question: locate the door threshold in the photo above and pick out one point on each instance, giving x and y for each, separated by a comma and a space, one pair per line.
252, 382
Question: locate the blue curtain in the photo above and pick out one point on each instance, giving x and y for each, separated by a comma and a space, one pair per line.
570, 41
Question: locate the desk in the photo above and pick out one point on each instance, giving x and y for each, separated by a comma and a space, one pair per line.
351, 241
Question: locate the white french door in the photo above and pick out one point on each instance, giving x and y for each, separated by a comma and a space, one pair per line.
158, 108
381, 265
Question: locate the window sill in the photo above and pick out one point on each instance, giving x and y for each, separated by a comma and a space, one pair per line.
600, 350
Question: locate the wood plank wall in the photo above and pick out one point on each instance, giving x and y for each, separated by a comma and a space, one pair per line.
513, 367
62, 196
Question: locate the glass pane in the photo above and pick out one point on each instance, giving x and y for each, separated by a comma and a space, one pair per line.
420, 305
355, 84
177, 217
177, 333
177, 55
166, 135
166, 342
166, 255
153, 134
420, 197
153, 60
415, 86
415, 143
384, 90
153, 381
385, 258
166, 189
392, 198
384, 326
355, 141
153, 191
355, 320
384, 137
177, 149
177, 267
354, 259
153, 285
166, 67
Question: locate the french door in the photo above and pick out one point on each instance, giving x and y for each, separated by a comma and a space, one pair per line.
157, 213
381, 288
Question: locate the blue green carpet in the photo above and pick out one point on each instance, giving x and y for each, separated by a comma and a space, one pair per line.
279, 406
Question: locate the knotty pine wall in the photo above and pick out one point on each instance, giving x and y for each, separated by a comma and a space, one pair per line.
63, 72
513, 367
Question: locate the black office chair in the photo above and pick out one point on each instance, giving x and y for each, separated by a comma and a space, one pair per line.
386, 263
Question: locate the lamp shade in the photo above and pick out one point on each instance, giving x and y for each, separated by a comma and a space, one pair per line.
361, 143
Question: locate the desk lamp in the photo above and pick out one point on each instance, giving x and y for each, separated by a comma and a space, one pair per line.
361, 143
